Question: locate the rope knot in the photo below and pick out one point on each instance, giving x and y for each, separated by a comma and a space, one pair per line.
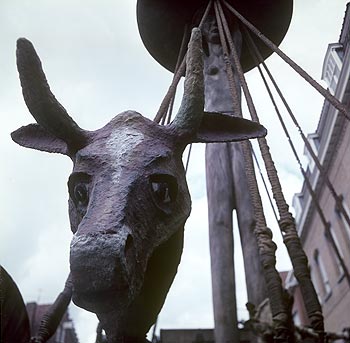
286, 222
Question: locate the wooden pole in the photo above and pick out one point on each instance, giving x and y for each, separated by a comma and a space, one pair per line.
227, 190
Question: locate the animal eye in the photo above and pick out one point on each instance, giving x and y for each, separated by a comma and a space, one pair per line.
161, 191
164, 189
78, 186
81, 194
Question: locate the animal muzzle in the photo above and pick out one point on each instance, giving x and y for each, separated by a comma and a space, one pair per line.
101, 266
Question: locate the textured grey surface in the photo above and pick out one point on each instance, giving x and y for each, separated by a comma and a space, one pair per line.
227, 190
128, 197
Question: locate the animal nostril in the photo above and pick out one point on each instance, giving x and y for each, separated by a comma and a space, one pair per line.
109, 231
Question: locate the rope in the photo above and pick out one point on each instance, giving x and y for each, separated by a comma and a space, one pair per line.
286, 222
236, 103
154, 331
177, 76
188, 158
267, 247
338, 198
182, 52
325, 93
326, 224
265, 185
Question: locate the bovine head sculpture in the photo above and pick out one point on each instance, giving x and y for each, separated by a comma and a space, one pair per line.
128, 197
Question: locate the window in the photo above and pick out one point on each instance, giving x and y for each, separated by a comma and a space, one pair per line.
332, 251
297, 206
343, 222
332, 66
314, 141
322, 276
316, 282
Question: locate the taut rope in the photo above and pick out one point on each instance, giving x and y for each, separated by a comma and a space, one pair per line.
286, 221
255, 53
267, 247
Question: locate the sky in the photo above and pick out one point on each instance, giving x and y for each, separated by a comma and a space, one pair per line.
97, 67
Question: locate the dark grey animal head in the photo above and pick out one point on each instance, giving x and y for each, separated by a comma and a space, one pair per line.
128, 197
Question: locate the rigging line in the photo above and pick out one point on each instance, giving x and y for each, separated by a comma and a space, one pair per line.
171, 91
324, 92
153, 340
182, 52
256, 55
178, 65
286, 222
178, 74
314, 197
170, 111
281, 204
265, 185
267, 248
168, 101
234, 89
188, 158
234, 92
324, 176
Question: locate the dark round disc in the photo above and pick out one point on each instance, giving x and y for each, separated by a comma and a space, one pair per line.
162, 23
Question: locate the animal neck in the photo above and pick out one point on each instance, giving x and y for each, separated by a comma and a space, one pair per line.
114, 335
115, 331
125, 339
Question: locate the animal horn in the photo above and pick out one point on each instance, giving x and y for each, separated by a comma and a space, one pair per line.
191, 111
42, 104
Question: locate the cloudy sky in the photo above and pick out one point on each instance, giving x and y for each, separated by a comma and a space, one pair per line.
97, 67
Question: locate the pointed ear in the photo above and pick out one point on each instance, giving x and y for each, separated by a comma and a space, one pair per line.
35, 137
218, 127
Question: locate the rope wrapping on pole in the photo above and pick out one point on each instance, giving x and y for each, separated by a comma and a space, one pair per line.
257, 56
267, 247
338, 198
286, 222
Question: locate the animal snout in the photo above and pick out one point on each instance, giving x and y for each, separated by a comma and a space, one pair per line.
99, 268
98, 262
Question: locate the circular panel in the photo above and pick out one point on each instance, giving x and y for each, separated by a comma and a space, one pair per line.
162, 24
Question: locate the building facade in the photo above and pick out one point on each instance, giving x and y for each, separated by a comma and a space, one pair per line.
331, 144
65, 332
196, 336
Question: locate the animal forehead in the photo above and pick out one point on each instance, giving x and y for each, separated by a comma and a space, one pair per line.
128, 138
131, 124
124, 140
